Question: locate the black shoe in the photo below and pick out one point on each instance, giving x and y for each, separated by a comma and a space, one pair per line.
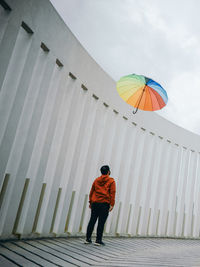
99, 243
88, 241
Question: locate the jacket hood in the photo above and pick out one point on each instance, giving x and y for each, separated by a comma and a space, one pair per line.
103, 179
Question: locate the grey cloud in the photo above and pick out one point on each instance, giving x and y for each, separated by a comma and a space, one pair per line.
159, 39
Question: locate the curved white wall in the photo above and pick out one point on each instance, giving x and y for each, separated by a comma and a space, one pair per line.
56, 130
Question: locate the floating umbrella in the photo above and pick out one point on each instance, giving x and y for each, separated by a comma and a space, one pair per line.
142, 92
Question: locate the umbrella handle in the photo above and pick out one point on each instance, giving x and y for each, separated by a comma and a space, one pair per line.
135, 111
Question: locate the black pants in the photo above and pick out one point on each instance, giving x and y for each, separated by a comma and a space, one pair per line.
98, 211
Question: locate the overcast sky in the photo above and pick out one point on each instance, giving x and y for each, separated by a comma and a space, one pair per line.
157, 38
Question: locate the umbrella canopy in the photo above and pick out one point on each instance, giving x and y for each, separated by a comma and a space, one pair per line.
142, 92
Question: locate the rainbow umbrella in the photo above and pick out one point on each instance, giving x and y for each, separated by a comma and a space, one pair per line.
142, 92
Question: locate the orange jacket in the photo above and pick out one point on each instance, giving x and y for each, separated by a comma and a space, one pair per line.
103, 190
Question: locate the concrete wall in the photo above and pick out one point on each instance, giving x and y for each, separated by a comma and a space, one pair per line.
61, 119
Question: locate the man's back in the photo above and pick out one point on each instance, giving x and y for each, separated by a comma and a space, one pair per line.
103, 190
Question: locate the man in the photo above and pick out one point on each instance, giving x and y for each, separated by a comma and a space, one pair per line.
102, 200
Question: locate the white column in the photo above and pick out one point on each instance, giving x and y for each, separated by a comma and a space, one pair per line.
164, 185
155, 186
137, 174
189, 195
175, 167
181, 192
131, 190
146, 184
196, 226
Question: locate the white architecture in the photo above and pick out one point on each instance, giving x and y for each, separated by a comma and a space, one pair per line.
61, 119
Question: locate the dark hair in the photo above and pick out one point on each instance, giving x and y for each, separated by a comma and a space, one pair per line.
105, 169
